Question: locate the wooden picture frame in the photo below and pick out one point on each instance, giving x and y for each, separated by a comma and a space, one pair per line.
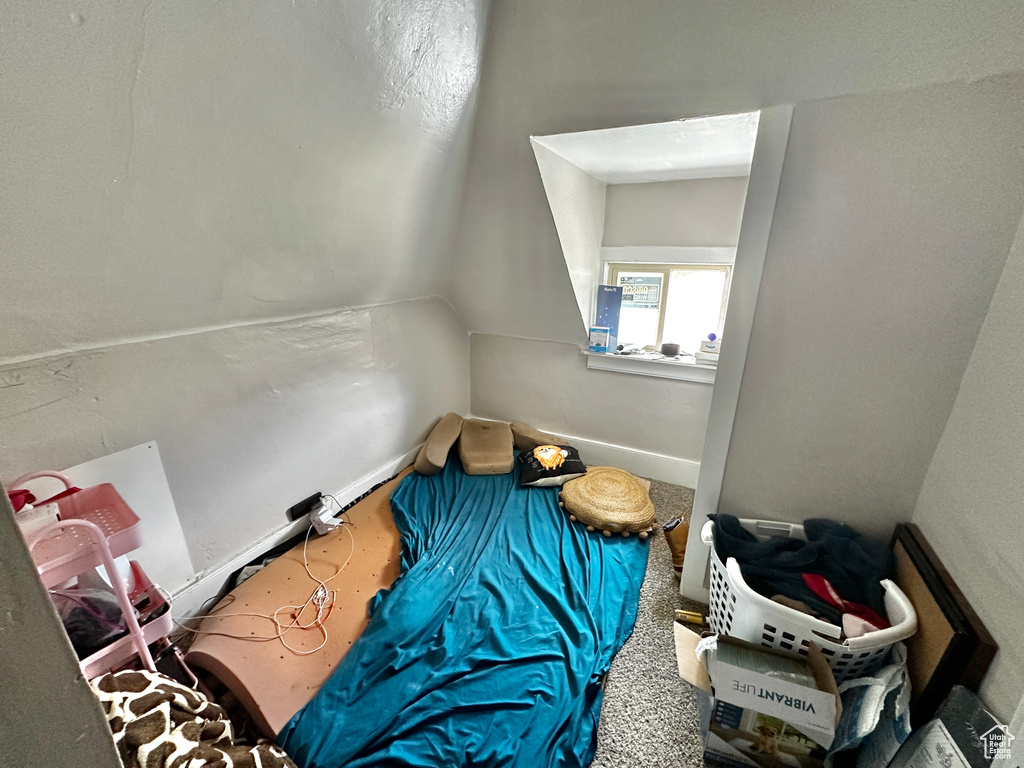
951, 645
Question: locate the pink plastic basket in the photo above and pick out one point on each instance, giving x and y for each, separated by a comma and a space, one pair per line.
95, 526
70, 546
100, 505
123, 650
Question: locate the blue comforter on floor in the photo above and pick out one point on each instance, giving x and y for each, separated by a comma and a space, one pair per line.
489, 648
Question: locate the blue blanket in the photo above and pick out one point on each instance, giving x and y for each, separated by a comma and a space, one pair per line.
489, 648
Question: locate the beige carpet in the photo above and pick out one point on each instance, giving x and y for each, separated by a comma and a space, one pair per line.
649, 716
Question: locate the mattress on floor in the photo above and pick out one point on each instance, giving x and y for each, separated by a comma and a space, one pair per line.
490, 647
271, 682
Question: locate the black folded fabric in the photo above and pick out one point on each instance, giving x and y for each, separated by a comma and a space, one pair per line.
854, 564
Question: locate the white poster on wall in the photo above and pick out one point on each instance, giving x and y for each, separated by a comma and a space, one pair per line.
138, 475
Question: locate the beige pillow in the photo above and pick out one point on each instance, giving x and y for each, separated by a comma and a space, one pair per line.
485, 447
434, 453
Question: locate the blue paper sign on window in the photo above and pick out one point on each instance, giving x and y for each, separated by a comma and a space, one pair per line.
640, 292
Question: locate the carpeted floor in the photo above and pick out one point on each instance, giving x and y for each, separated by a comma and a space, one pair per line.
649, 716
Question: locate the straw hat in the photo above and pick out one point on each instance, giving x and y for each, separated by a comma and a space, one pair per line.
609, 500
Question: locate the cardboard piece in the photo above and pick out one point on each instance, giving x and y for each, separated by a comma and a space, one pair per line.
951, 646
756, 717
690, 667
270, 682
138, 475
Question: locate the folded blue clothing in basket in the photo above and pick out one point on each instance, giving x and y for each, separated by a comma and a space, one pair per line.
854, 564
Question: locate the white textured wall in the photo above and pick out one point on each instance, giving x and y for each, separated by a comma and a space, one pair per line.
219, 219
688, 212
970, 504
894, 218
173, 166
585, 64
224, 227
547, 384
577, 203
249, 419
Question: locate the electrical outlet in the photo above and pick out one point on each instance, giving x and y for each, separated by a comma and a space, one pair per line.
304, 506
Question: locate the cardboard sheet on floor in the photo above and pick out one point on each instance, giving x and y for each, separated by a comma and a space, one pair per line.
271, 682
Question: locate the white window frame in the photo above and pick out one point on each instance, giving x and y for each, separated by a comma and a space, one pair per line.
661, 258
612, 269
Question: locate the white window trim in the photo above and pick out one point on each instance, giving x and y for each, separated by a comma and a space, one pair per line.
668, 254
762, 193
666, 270
665, 369
683, 370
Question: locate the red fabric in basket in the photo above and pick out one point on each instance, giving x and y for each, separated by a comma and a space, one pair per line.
19, 498
823, 588
62, 494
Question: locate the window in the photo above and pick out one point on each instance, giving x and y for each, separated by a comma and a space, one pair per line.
678, 303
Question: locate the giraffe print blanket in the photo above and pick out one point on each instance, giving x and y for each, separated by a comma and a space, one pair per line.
159, 723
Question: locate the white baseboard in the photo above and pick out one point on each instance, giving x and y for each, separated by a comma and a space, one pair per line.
657, 466
188, 600
643, 463
204, 585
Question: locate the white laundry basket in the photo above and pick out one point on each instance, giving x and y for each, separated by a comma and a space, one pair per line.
739, 611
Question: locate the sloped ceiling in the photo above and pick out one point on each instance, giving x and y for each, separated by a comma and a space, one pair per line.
577, 202
699, 148
576, 169
172, 166
590, 64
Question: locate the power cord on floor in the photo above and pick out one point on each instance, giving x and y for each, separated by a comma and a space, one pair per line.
321, 599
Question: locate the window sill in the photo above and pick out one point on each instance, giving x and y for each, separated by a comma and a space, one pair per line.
641, 366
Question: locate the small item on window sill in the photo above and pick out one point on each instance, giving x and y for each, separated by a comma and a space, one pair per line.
599, 338
669, 349
712, 345
629, 349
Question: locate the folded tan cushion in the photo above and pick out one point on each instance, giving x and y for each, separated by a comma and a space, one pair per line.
527, 438
434, 453
485, 447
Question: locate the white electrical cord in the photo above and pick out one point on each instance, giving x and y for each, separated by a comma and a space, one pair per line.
322, 598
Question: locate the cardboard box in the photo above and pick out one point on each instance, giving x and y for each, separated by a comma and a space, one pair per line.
600, 338
760, 707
